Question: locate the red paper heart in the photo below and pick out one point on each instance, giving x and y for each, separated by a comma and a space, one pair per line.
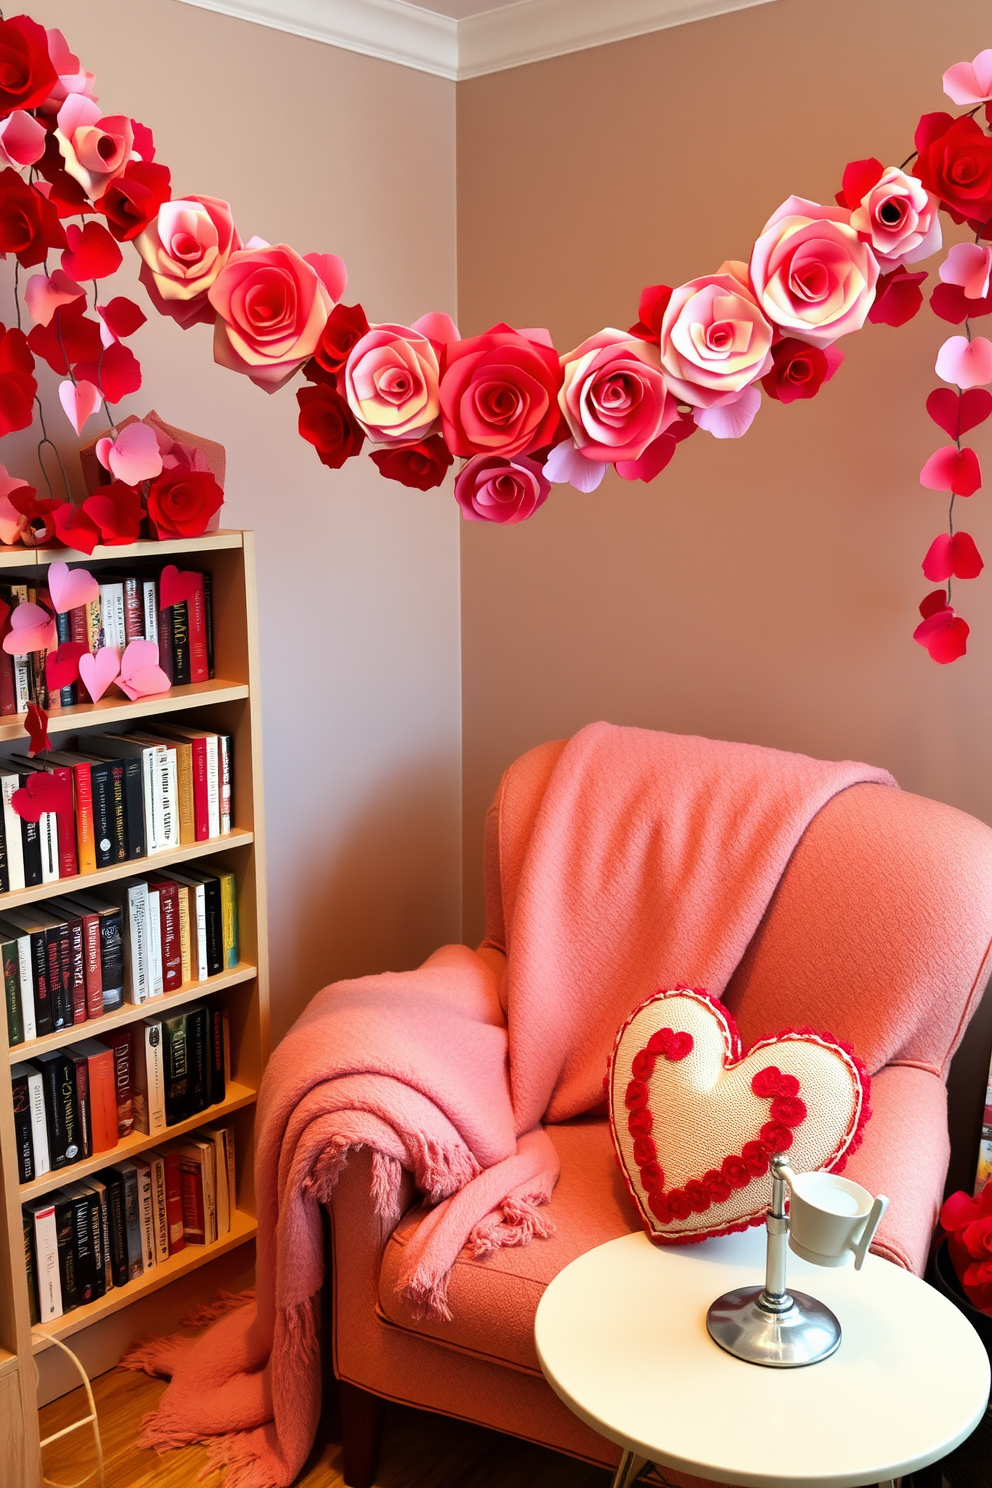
92, 252
36, 725
956, 415
116, 373
175, 587
43, 792
62, 666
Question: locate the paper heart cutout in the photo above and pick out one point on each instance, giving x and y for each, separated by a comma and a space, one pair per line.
62, 666
968, 363
42, 792
31, 629
956, 414
92, 252
952, 469
133, 456
36, 727
695, 1129
175, 587
97, 671
44, 295
140, 673
71, 587
80, 401
952, 557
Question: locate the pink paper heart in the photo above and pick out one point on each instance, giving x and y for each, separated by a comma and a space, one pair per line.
140, 673
80, 400
565, 465
952, 557
968, 265
970, 82
330, 270
730, 420
99, 670
134, 456
71, 587
31, 629
968, 363
952, 469
44, 296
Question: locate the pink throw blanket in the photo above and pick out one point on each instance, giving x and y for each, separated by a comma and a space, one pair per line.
652, 860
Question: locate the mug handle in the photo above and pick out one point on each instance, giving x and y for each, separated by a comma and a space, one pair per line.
868, 1233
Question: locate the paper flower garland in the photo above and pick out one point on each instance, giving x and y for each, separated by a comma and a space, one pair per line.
521, 415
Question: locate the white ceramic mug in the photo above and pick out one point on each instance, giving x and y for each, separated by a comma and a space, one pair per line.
831, 1218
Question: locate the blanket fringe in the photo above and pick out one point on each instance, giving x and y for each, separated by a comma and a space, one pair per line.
517, 1221
158, 1356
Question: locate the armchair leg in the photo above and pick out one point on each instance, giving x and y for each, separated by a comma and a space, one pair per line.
360, 1429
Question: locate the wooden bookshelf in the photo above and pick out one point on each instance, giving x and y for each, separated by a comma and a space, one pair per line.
228, 704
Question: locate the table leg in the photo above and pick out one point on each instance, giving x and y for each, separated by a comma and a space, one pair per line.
627, 1470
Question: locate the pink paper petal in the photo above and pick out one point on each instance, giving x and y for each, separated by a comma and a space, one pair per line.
945, 636
970, 82
22, 140
331, 270
730, 420
652, 462
80, 400
968, 265
967, 363
951, 469
31, 629
44, 296
565, 466
437, 326
97, 672
140, 673
134, 455
71, 587
103, 448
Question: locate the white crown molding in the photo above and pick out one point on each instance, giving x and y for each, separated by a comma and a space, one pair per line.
509, 36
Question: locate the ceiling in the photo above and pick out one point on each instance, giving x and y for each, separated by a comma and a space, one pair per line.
461, 39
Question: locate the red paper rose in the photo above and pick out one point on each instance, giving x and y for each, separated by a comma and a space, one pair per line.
329, 425
344, 328
38, 513
493, 489
27, 75
132, 199
423, 465
799, 370
499, 393
181, 502
17, 384
955, 163
29, 225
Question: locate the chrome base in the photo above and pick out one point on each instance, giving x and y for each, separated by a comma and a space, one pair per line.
628, 1470
781, 1332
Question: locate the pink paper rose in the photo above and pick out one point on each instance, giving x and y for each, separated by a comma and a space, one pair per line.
614, 396
812, 274
499, 392
95, 148
391, 383
899, 217
71, 76
494, 489
184, 249
271, 307
22, 140
715, 340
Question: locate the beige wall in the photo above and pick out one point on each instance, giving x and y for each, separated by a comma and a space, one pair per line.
358, 576
762, 589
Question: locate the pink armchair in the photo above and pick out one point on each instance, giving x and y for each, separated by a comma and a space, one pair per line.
888, 947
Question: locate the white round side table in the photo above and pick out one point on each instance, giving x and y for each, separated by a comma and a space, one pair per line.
621, 1336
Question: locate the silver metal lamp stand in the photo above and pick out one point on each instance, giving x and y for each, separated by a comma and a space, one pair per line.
770, 1325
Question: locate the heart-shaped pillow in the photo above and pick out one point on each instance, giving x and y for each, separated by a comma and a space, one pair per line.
695, 1120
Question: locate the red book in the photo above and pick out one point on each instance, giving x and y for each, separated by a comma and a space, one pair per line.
191, 1187
172, 952
120, 1044
174, 1201
134, 610
77, 973
82, 1098
103, 1093
80, 629
199, 666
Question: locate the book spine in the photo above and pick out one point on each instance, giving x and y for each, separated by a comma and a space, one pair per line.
94, 625
68, 863
59, 1078
39, 1124
119, 811
201, 789
192, 1198
185, 936
63, 629
120, 1045
77, 952
77, 625
160, 1216
82, 1078
26, 985
154, 1077
172, 958
31, 848
85, 826
49, 839
13, 839
148, 783
132, 1222
217, 1081
146, 1213
134, 808
103, 1101
202, 956
213, 784
112, 959
8, 698
174, 1201
102, 1195
96, 1218
166, 658
30, 1270
12, 992
177, 1071
180, 644
215, 929
199, 669
150, 602
156, 984
229, 919
22, 1128
61, 1008
226, 756
170, 801
134, 616
136, 936
101, 783
4, 858
208, 619
82, 1237
199, 1055
65, 1240
184, 793
92, 970
44, 1012
117, 1226
46, 1256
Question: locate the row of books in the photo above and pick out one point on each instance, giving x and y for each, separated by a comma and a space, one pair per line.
74, 1103
69, 960
127, 797
127, 609
103, 1232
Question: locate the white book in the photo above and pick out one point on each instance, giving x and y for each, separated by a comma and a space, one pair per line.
153, 1081
223, 1166
213, 784
112, 616
146, 1212
156, 982
48, 836
170, 802
39, 1122
156, 1163
224, 747
150, 599
197, 924
46, 1259
133, 899
9, 783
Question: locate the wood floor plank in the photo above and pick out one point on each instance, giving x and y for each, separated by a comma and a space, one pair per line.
419, 1450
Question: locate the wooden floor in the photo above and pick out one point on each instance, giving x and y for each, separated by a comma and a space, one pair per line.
418, 1450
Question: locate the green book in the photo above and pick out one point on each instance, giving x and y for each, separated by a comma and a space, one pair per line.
12, 991
176, 1069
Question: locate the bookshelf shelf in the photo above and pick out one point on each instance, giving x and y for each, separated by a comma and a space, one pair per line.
155, 861
243, 1228
237, 1096
131, 1012
229, 703
113, 710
